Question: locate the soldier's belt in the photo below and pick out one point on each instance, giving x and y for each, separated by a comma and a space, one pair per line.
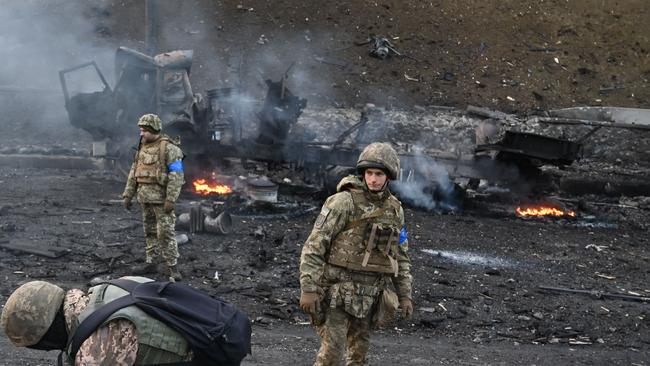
376, 264
365, 278
146, 180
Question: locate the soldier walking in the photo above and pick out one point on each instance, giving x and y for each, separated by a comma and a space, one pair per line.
357, 248
157, 177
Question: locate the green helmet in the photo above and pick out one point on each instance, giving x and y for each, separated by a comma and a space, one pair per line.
379, 155
30, 311
151, 121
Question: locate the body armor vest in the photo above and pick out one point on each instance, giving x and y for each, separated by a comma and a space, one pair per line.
369, 242
157, 343
150, 163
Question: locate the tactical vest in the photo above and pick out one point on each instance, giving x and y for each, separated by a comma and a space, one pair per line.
150, 163
369, 242
157, 343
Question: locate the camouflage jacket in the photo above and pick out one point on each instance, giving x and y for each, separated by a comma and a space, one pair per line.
170, 179
115, 344
335, 215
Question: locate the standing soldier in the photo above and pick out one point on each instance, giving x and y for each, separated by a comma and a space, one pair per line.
357, 246
157, 177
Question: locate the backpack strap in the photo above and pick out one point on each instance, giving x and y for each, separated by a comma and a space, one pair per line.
130, 285
124, 284
354, 223
161, 152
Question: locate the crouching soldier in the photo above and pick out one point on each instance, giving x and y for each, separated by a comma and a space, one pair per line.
356, 249
41, 315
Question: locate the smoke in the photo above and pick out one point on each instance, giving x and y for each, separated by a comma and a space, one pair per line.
426, 184
227, 57
292, 54
37, 39
235, 111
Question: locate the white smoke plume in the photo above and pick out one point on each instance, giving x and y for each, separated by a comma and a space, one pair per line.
427, 185
37, 39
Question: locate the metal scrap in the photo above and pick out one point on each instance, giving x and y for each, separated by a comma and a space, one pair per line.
280, 111
22, 247
619, 117
596, 294
382, 48
331, 61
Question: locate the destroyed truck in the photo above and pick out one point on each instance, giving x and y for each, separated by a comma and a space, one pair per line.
144, 84
161, 85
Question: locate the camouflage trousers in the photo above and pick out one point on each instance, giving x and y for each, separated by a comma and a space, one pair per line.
340, 331
159, 233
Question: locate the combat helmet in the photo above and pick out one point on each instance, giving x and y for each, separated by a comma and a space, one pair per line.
379, 155
150, 121
30, 311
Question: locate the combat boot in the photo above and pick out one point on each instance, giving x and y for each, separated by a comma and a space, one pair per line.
151, 265
174, 274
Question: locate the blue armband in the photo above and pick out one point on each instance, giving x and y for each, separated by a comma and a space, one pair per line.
176, 167
402, 236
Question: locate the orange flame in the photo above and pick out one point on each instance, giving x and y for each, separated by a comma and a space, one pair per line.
202, 187
543, 211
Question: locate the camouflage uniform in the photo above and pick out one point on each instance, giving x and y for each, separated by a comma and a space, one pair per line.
115, 343
332, 265
156, 181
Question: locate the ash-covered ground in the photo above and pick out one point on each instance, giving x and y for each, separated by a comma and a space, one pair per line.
476, 274
477, 271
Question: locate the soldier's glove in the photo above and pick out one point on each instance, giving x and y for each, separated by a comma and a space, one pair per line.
127, 203
407, 308
168, 206
310, 302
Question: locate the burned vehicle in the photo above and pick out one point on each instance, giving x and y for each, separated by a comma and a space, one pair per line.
161, 85
211, 129
432, 151
144, 84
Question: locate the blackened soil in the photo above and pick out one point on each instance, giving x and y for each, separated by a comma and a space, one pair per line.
476, 275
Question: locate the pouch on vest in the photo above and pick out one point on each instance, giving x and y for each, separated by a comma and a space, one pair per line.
217, 332
386, 309
384, 241
151, 167
356, 299
147, 168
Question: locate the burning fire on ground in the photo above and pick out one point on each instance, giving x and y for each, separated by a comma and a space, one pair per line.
201, 186
541, 210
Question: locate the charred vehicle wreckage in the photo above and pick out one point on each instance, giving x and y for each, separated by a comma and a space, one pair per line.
161, 85
323, 144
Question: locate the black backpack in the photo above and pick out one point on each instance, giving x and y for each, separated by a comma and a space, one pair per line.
218, 333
